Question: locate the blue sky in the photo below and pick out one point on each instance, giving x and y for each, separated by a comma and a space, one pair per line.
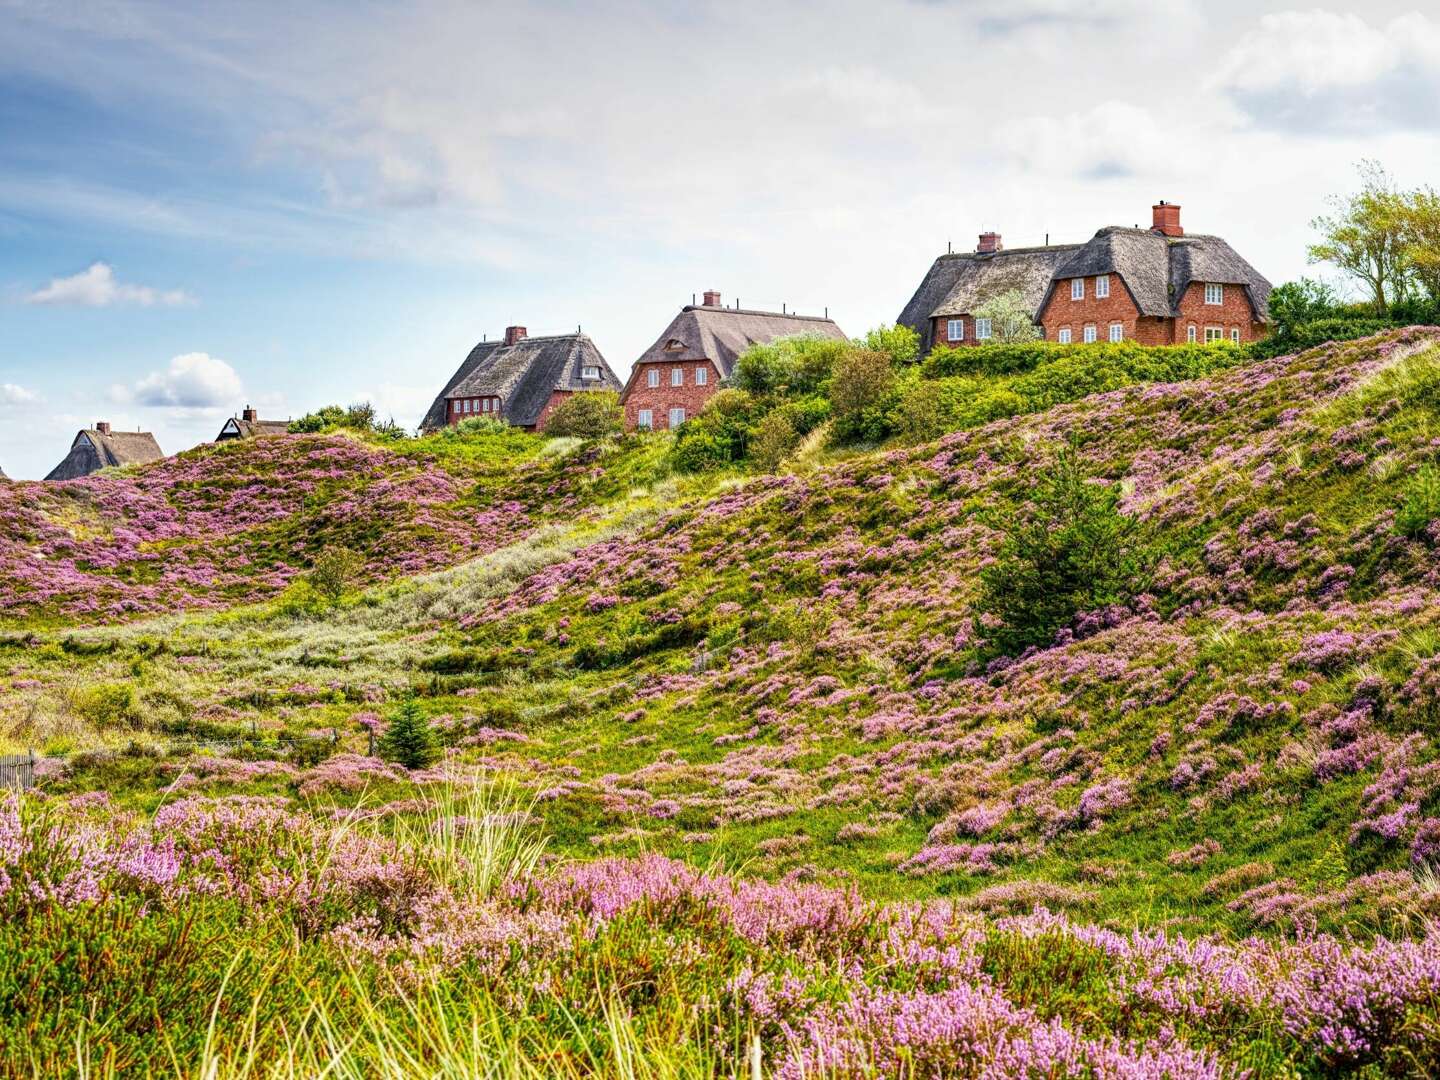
203, 206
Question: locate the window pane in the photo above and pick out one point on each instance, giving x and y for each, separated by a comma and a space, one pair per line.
677, 376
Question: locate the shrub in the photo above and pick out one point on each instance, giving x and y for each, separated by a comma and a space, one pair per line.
718, 436
775, 440
859, 393
107, 705
358, 417
1067, 551
589, 415
899, 343
334, 570
409, 740
788, 366
1420, 503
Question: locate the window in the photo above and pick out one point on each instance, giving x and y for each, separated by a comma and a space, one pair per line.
1214, 294
1190, 333
1214, 333
982, 329
1117, 331
652, 377
485, 405
955, 330
677, 376
677, 417
589, 371
645, 419
455, 406
1089, 335
467, 404
1102, 286
702, 376
1077, 288
1235, 334
1064, 336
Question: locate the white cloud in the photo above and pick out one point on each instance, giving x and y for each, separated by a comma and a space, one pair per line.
192, 381
1333, 72
96, 286
1110, 141
12, 394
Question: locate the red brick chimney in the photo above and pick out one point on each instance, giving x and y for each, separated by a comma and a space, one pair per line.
712, 297
1166, 219
514, 334
249, 415
102, 426
989, 242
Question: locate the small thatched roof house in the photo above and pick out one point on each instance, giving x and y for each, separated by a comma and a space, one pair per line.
248, 425
100, 448
520, 379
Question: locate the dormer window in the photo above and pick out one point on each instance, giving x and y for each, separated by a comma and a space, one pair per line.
590, 371
1102, 286
1214, 294
674, 345
1077, 288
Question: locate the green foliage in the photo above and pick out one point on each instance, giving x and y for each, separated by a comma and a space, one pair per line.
409, 740
898, 342
788, 366
107, 705
1066, 551
860, 394
719, 435
359, 417
1296, 303
1363, 237
335, 570
590, 415
1420, 502
1011, 319
776, 438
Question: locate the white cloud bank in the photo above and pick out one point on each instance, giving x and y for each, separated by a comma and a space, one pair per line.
13, 394
192, 381
96, 286
1324, 71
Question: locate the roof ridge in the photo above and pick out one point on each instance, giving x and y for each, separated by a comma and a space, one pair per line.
756, 311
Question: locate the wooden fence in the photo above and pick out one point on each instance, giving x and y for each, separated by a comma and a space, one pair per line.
17, 770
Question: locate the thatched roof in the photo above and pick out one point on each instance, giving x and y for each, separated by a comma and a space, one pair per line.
721, 334
959, 283
1157, 269
94, 450
238, 427
524, 375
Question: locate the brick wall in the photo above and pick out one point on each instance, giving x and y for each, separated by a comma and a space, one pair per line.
941, 334
1062, 312
661, 399
556, 397
1234, 314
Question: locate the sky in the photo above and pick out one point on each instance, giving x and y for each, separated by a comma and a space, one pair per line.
209, 205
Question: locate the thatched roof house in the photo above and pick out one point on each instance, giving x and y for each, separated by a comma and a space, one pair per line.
520, 379
100, 448
674, 378
248, 425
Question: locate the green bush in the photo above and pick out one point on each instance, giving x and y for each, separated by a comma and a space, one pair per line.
107, 705
590, 415
775, 439
788, 366
358, 417
861, 394
719, 435
1067, 551
1420, 502
898, 342
335, 569
409, 740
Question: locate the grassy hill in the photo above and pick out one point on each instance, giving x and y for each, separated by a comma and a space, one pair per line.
892, 842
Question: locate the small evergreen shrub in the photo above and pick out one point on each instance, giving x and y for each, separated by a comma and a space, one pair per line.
409, 740
335, 569
1420, 503
1066, 551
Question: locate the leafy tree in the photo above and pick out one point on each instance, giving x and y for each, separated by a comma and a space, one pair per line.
1067, 551
859, 394
898, 342
1365, 237
589, 415
358, 417
1296, 303
409, 740
775, 440
1420, 227
1011, 319
335, 569
788, 366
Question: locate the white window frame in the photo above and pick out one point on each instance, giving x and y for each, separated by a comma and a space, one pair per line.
1192, 334
1235, 334
1214, 294
589, 371
645, 418
702, 376
984, 329
1214, 334
652, 378
955, 330
1102, 286
485, 405
1117, 331
1064, 336
676, 417
677, 376
1089, 334
1077, 288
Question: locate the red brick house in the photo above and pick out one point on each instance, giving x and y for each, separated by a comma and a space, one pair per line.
674, 378
1156, 286
520, 379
